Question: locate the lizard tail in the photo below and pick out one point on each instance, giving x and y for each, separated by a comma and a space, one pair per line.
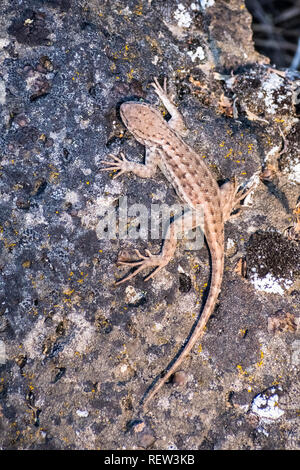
196, 333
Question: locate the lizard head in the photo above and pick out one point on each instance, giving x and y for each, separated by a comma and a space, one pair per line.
142, 120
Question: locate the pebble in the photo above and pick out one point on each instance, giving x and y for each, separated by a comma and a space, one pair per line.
179, 378
82, 413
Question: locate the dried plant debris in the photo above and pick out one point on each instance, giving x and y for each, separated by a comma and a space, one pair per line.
293, 232
282, 321
262, 94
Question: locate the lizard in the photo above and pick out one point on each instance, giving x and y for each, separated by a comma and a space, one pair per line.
194, 184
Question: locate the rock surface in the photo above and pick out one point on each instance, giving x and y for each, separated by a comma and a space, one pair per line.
78, 353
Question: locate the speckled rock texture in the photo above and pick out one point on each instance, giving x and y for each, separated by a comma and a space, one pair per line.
76, 352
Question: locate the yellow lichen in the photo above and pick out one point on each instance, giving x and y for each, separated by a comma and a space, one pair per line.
241, 370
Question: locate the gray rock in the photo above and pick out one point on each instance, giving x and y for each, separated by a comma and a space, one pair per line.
80, 352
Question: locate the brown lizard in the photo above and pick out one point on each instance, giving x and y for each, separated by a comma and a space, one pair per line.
194, 184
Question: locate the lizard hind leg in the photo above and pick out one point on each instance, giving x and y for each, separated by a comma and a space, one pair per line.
231, 197
178, 226
152, 261
228, 192
143, 262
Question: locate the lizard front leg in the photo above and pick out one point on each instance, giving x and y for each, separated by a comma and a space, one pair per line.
122, 165
176, 122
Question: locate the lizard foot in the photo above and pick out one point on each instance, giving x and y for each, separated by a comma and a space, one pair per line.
159, 90
143, 262
231, 197
120, 164
238, 197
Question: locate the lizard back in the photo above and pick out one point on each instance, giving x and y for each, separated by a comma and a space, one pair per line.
182, 166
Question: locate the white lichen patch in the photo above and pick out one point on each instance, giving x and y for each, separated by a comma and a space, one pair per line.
266, 406
71, 197
83, 334
132, 295
197, 54
155, 60
157, 327
3, 43
231, 247
67, 220
270, 284
36, 218
194, 6
295, 356
102, 208
183, 17
206, 3
82, 413
34, 339
294, 174
126, 11
230, 244
164, 403
270, 93
2, 93
58, 138
123, 371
